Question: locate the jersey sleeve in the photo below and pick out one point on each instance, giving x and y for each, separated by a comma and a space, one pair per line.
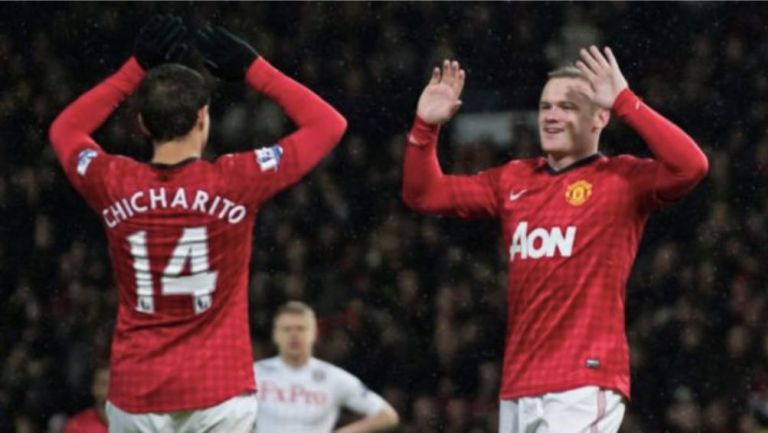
641, 175
679, 163
86, 169
83, 160
355, 396
256, 175
426, 189
269, 170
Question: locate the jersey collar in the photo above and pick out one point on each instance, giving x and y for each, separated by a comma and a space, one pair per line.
181, 163
544, 165
310, 362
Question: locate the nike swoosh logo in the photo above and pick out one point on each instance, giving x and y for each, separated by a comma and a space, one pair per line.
516, 195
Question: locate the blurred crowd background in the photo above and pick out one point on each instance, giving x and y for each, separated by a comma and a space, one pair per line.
415, 306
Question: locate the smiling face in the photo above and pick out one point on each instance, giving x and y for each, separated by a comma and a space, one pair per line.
569, 122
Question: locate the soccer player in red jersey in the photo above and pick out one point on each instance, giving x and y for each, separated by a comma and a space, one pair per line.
571, 223
179, 228
93, 419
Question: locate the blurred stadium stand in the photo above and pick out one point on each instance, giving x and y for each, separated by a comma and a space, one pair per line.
413, 305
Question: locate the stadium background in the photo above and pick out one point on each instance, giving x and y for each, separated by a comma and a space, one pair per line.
413, 305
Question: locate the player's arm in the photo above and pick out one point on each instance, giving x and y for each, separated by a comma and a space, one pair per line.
425, 188
71, 131
377, 413
385, 418
682, 163
319, 126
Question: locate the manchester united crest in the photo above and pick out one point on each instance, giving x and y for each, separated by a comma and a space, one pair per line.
578, 192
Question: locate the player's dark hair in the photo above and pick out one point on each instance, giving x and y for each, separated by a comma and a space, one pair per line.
169, 98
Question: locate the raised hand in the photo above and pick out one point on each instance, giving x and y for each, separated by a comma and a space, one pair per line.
440, 99
225, 55
603, 73
161, 40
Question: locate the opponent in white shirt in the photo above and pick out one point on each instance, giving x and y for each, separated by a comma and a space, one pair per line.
301, 394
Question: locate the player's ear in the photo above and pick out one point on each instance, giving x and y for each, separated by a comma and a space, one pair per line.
313, 336
312, 329
274, 335
602, 117
202, 116
142, 126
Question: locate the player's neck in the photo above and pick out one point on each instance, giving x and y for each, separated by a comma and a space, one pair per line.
177, 150
296, 361
561, 161
100, 411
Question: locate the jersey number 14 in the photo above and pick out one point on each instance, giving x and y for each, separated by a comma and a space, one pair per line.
192, 246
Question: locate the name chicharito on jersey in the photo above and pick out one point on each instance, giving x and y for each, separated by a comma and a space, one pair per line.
161, 198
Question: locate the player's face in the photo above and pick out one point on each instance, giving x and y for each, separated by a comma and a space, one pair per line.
100, 385
295, 334
569, 123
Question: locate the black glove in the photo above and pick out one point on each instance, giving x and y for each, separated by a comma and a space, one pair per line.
225, 55
160, 41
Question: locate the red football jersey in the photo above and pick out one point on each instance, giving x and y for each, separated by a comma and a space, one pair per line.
180, 243
571, 237
87, 421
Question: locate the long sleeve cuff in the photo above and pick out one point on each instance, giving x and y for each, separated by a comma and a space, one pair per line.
627, 103
261, 74
129, 76
423, 134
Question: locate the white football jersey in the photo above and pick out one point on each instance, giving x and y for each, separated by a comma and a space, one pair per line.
308, 399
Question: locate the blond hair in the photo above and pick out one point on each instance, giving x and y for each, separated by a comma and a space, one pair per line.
295, 307
567, 71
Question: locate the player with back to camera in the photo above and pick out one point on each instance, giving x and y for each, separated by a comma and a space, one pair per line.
571, 223
179, 228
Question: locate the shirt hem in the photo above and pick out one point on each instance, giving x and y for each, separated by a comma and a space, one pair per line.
539, 391
142, 409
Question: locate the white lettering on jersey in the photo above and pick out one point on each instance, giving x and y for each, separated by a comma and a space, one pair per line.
201, 198
269, 158
541, 242
84, 159
157, 198
135, 202
180, 199
227, 206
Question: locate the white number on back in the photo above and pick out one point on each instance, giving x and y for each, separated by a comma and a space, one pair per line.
191, 247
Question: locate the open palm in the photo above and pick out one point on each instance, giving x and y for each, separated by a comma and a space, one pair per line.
603, 73
440, 99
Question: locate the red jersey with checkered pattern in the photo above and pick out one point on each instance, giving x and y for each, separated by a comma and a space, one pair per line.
571, 237
87, 421
180, 242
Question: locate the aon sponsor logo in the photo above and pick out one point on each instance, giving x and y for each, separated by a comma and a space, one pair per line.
541, 242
